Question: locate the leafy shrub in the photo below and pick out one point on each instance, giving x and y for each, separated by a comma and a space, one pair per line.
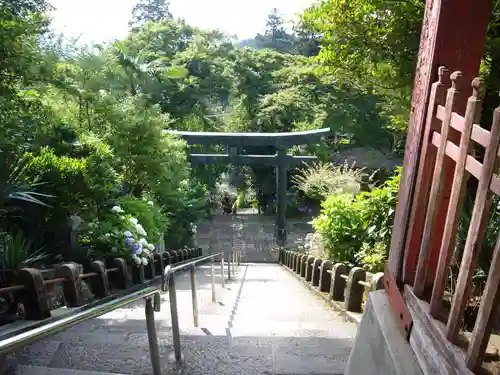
80, 183
341, 227
80, 180
358, 229
377, 210
324, 179
149, 215
16, 251
184, 207
372, 256
117, 234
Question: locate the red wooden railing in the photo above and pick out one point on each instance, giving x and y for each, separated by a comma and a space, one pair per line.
452, 138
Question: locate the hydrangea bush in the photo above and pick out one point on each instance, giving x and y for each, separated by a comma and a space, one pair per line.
119, 234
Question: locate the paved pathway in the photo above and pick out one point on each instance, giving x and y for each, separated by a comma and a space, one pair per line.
251, 233
265, 322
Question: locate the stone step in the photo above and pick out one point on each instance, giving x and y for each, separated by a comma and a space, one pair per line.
40, 370
207, 354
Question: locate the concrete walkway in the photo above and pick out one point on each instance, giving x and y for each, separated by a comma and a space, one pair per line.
265, 322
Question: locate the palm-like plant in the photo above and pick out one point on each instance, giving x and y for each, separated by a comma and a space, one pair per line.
15, 187
140, 68
16, 251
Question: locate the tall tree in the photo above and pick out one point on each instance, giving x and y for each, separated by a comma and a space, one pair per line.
274, 24
150, 10
275, 36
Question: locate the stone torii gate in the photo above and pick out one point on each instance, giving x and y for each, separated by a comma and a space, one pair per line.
280, 160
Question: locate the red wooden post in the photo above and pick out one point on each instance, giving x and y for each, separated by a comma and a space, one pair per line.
437, 188
453, 35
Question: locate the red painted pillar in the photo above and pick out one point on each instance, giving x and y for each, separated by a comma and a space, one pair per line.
453, 35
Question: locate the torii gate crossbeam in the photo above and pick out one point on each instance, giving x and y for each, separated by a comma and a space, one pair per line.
235, 141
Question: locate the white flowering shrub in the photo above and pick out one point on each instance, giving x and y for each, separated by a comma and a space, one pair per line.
314, 245
149, 214
118, 234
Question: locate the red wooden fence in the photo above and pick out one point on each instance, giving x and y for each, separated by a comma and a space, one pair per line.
452, 138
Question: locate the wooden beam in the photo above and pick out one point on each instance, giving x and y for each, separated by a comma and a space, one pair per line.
265, 160
453, 35
278, 140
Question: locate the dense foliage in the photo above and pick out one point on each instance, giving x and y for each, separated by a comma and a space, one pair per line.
84, 127
80, 137
357, 228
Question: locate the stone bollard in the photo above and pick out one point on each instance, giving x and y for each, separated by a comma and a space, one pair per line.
294, 260
378, 281
120, 278
290, 259
338, 284
159, 264
303, 262
354, 291
309, 269
316, 271
99, 284
297, 263
166, 259
173, 256
72, 286
149, 269
138, 274
34, 294
325, 277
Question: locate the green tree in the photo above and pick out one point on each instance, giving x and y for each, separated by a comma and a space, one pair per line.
275, 36
150, 10
372, 44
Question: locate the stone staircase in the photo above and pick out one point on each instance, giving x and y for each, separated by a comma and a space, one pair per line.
264, 322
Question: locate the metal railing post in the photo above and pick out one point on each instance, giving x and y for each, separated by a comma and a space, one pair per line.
176, 335
153, 341
194, 296
214, 299
229, 264
222, 271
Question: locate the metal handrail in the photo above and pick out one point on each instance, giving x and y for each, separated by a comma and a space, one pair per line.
15, 342
168, 283
28, 337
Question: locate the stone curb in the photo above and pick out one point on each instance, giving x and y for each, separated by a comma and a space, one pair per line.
337, 306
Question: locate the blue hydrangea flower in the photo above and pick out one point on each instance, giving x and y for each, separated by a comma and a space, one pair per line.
136, 249
128, 241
